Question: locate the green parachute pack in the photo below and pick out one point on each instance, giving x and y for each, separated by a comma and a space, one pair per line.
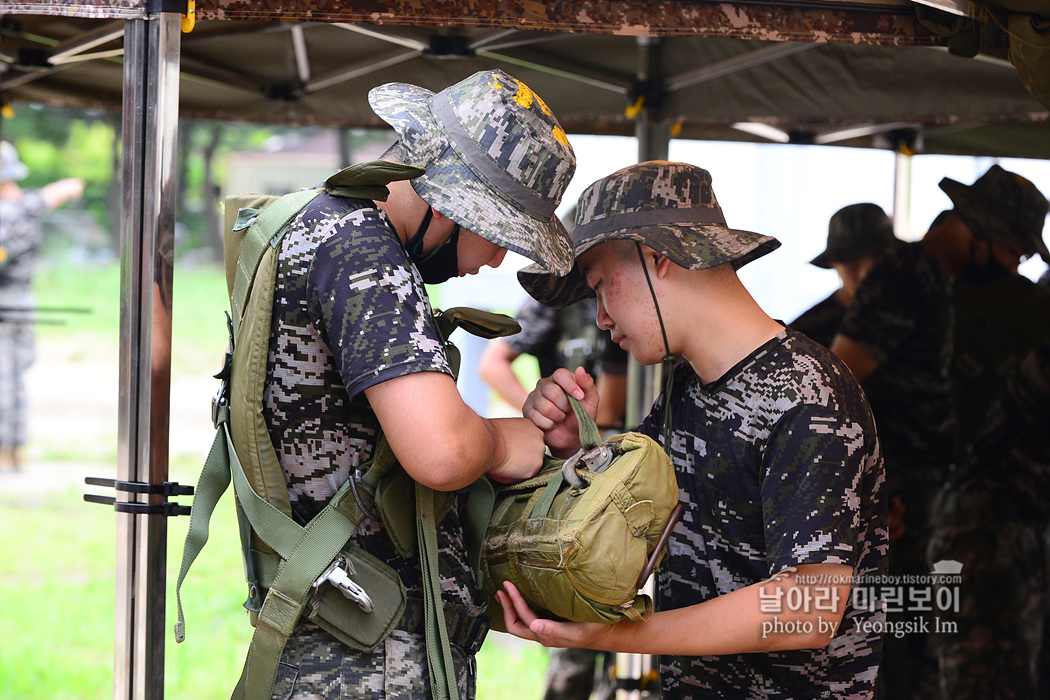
580, 538
291, 570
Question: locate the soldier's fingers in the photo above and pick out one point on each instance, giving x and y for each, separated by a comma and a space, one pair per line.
542, 412
568, 383
510, 618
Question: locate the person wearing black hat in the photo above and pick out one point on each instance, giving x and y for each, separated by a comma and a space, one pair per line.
857, 236
899, 339
991, 517
999, 315
774, 448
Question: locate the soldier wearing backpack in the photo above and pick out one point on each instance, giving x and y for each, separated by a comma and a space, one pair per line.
773, 444
354, 350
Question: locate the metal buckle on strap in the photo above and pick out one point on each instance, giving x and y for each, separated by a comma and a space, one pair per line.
338, 574
596, 460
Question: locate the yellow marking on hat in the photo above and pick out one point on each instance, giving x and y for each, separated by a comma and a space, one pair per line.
524, 95
560, 137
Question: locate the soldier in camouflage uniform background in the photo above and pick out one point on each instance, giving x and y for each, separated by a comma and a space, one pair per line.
354, 350
858, 234
774, 447
896, 339
991, 517
994, 521
1000, 315
20, 236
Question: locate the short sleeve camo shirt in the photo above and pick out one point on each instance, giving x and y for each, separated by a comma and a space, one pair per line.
350, 312
778, 465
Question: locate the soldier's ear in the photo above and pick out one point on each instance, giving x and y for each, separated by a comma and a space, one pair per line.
661, 263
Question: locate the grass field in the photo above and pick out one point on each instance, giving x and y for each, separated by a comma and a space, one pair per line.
57, 568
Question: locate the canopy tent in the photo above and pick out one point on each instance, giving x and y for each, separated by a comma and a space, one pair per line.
854, 72
861, 73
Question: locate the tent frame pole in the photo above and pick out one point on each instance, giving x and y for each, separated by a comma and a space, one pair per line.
150, 117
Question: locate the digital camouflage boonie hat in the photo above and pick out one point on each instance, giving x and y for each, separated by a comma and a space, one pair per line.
670, 207
1002, 207
497, 160
855, 232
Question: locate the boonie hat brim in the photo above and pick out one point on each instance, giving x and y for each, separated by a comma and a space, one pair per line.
691, 246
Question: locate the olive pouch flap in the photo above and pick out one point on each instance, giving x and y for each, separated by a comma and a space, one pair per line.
348, 622
369, 180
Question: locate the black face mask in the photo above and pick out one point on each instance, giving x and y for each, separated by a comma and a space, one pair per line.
440, 264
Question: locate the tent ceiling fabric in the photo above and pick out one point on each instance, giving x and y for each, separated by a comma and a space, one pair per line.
867, 77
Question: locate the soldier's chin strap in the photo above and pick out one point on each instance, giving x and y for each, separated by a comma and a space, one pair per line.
669, 359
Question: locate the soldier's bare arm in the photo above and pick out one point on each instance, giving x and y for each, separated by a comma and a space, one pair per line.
442, 443
739, 622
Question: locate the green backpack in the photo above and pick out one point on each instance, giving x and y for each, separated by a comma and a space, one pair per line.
580, 538
314, 571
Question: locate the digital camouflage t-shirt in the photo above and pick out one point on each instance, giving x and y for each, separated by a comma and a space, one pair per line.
778, 465
350, 312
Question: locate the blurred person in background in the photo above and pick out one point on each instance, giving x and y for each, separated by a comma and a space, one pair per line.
857, 237
999, 315
21, 212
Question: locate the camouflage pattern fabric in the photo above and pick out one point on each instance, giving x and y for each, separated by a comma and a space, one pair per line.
350, 312
902, 315
319, 667
670, 207
993, 520
497, 159
544, 335
996, 324
778, 465
822, 320
20, 238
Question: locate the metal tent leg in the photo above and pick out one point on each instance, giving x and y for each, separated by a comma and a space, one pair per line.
150, 115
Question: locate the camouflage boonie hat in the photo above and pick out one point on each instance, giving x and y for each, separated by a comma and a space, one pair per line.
670, 207
497, 160
855, 232
12, 168
1002, 207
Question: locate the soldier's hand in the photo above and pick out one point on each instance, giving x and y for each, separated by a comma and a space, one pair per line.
522, 622
522, 448
549, 409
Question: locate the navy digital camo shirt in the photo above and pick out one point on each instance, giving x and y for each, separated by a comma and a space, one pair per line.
778, 465
350, 312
